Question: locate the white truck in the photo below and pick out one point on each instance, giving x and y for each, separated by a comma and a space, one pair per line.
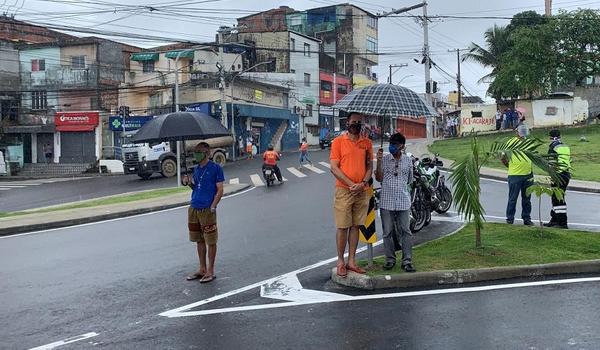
145, 159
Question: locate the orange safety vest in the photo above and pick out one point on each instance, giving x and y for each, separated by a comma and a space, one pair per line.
271, 157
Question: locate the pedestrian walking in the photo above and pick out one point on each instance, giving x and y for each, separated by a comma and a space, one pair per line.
520, 177
351, 164
241, 145
395, 172
249, 142
560, 153
206, 183
498, 119
48, 153
304, 152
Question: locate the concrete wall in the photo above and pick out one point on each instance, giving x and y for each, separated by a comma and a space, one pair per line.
30, 79
271, 40
9, 67
486, 122
592, 95
554, 112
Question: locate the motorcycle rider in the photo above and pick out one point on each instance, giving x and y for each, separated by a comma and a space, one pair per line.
561, 153
270, 158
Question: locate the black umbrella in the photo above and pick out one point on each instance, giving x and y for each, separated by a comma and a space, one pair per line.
180, 126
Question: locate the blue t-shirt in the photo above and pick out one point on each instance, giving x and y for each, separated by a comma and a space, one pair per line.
205, 184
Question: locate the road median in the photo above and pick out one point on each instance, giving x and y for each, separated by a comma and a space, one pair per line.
117, 206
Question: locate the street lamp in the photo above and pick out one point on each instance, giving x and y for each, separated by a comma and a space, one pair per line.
233, 101
410, 75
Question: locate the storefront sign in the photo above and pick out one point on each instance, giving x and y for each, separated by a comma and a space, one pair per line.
76, 121
115, 123
258, 94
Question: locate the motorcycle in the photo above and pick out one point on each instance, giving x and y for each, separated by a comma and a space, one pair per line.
418, 212
269, 175
437, 195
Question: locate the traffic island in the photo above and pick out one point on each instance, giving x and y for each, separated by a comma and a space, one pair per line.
509, 252
105, 208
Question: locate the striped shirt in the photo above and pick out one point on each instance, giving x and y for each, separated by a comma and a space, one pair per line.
394, 188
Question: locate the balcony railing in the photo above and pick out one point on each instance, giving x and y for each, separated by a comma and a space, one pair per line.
60, 76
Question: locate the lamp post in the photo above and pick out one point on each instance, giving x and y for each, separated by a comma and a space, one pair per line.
233, 100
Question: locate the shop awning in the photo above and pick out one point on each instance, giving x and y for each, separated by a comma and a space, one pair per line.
144, 56
184, 54
258, 111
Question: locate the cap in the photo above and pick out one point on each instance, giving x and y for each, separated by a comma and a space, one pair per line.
554, 133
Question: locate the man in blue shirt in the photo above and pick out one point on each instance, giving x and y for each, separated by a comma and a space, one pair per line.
207, 189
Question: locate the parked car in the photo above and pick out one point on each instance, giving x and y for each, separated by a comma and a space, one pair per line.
326, 141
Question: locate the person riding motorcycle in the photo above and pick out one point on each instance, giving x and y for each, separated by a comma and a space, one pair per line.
270, 158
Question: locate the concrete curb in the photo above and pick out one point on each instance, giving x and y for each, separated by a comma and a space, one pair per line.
459, 277
101, 217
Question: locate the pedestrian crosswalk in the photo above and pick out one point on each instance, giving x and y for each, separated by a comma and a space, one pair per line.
11, 185
300, 172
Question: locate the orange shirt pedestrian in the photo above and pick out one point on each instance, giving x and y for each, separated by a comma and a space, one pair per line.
353, 157
304, 147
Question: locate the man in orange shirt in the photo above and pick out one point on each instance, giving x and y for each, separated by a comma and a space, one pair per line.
270, 158
351, 164
304, 152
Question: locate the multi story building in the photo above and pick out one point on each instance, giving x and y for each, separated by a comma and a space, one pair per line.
333, 87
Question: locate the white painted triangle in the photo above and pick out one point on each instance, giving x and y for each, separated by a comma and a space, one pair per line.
295, 172
325, 164
314, 169
234, 181
289, 288
256, 180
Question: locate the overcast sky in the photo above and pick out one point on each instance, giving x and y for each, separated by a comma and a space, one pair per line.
400, 36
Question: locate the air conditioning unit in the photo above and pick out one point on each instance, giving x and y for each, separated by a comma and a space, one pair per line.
297, 110
131, 75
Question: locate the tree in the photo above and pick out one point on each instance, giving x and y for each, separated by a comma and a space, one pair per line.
540, 189
496, 39
466, 174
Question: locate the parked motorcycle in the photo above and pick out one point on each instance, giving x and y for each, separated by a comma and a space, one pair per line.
437, 196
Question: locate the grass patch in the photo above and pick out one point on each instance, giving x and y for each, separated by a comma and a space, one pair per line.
504, 245
585, 155
118, 199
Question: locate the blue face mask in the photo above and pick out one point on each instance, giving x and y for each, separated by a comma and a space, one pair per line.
394, 149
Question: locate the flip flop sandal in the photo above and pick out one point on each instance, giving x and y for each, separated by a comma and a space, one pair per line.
341, 271
356, 269
207, 279
194, 276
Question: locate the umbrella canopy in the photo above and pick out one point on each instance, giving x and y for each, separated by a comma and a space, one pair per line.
179, 126
386, 100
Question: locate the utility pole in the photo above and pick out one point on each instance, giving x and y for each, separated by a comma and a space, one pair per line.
427, 67
221, 68
458, 80
395, 66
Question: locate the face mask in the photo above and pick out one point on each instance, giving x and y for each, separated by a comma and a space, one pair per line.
199, 156
394, 149
354, 129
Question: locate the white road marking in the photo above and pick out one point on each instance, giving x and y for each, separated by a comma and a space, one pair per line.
289, 288
503, 218
12, 186
295, 172
5, 189
325, 164
284, 179
314, 169
20, 183
119, 219
66, 341
256, 180
234, 181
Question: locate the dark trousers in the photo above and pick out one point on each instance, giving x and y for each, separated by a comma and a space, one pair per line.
558, 214
498, 124
519, 184
275, 168
396, 224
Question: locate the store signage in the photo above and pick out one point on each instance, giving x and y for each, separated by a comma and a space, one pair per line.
115, 123
76, 121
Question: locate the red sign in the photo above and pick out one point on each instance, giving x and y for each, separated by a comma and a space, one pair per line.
76, 121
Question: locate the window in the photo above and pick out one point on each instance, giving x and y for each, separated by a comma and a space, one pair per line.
78, 62
371, 44
325, 85
551, 110
372, 22
39, 100
306, 50
342, 89
286, 100
293, 44
476, 114
309, 110
148, 66
38, 65
306, 79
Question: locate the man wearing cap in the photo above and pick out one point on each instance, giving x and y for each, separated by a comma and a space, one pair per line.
560, 153
520, 177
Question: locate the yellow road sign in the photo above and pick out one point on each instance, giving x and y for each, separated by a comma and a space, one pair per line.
367, 233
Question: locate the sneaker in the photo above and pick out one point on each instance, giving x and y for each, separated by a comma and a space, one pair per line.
510, 222
528, 223
408, 268
550, 224
561, 226
389, 265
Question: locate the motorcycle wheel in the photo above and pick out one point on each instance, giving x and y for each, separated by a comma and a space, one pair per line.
427, 217
445, 200
419, 214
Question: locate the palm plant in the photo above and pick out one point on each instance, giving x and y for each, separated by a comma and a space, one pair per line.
497, 43
466, 174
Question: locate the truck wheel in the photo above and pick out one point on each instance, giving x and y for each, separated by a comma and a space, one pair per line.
168, 167
219, 158
144, 176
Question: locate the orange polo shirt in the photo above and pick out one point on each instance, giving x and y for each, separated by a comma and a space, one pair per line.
353, 156
271, 157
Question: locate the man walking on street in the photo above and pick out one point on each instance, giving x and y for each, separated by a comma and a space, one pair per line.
395, 172
561, 153
520, 177
351, 164
207, 189
304, 152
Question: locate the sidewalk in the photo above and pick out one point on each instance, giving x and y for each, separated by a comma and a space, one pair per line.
419, 147
42, 221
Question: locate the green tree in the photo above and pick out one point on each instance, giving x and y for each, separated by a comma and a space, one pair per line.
496, 44
466, 174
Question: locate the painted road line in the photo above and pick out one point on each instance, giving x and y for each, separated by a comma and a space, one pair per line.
12, 186
256, 180
66, 341
5, 189
325, 164
234, 181
314, 169
20, 183
284, 179
295, 172
503, 219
